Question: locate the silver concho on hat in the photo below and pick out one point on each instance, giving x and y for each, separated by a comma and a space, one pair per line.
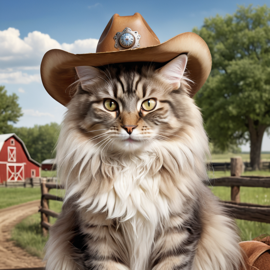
127, 39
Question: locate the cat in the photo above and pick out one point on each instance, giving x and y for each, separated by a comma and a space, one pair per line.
131, 155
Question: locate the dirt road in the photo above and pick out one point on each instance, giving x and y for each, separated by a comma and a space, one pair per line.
12, 257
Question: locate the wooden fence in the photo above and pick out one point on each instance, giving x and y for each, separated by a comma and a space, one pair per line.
238, 210
45, 211
30, 182
226, 166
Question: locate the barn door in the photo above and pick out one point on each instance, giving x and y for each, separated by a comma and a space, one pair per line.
19, 173
15, 172
11, 170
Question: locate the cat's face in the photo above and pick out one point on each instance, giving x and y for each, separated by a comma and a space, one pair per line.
129, 107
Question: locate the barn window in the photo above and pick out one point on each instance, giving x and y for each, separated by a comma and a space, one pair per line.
12, 142
12, 154
33, 173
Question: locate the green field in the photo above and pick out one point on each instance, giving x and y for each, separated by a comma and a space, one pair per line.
18, 195
48, 173
27, 234
227, 157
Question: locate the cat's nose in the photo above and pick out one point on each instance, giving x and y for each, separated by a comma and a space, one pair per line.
128, 128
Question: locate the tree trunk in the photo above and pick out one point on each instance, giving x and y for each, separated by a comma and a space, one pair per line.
256, 135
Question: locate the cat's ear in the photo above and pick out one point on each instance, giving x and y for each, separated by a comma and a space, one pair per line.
87, 75
173, 71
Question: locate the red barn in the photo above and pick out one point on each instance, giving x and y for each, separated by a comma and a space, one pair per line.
15, 161
48, 165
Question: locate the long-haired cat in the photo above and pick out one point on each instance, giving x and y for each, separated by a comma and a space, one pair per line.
131, 155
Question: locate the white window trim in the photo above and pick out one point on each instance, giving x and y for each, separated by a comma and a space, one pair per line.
33, 175
12, 142
12, 158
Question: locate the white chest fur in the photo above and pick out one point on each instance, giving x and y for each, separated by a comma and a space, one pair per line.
136, 200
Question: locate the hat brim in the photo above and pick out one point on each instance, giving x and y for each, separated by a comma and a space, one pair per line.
58, 67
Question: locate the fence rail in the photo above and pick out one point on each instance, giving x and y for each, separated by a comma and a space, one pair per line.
246, 181
226, 166
248, 211
30, 181
236, 209
45, 211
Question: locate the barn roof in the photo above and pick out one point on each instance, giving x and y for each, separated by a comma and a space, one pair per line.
48, 161
4, 137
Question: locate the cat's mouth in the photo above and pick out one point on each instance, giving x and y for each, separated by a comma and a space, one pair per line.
131, 140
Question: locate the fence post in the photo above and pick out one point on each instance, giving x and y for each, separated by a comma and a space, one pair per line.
236, 170
44, 205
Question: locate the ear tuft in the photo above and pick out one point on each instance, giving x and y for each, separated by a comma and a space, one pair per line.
173, 71
87, 75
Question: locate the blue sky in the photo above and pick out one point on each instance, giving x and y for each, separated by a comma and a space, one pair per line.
30, 28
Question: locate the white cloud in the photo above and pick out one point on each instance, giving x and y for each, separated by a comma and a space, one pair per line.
31, 112
21, 90
81, 46
19, 78
11, 44
27, 53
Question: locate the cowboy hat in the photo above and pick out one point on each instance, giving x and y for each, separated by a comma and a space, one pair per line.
125, 39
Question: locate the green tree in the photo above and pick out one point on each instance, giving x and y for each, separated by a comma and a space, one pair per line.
235, 100
10, 111
40, 140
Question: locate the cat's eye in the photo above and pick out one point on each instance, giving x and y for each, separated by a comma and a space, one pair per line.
149, 104
110, 105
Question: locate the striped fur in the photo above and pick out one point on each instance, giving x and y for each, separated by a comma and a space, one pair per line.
137, 205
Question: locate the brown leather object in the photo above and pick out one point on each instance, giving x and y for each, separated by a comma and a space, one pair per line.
58, 67
118, 24
258, 255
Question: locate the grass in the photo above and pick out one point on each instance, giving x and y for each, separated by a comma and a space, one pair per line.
48, 173
27, 234
17, 195
227, 157
247, 229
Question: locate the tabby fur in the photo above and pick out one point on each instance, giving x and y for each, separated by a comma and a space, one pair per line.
137, 202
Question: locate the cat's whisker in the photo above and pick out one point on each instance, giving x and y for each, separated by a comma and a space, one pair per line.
91, 139
109, 73
173, 135
105, 146
106, 142
162, 137
75, 149
96, 130
110, 79
81, 167
108, 82
97, 137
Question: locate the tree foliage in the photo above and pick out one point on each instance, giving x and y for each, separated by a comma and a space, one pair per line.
235, 100
40, 140
10, 111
